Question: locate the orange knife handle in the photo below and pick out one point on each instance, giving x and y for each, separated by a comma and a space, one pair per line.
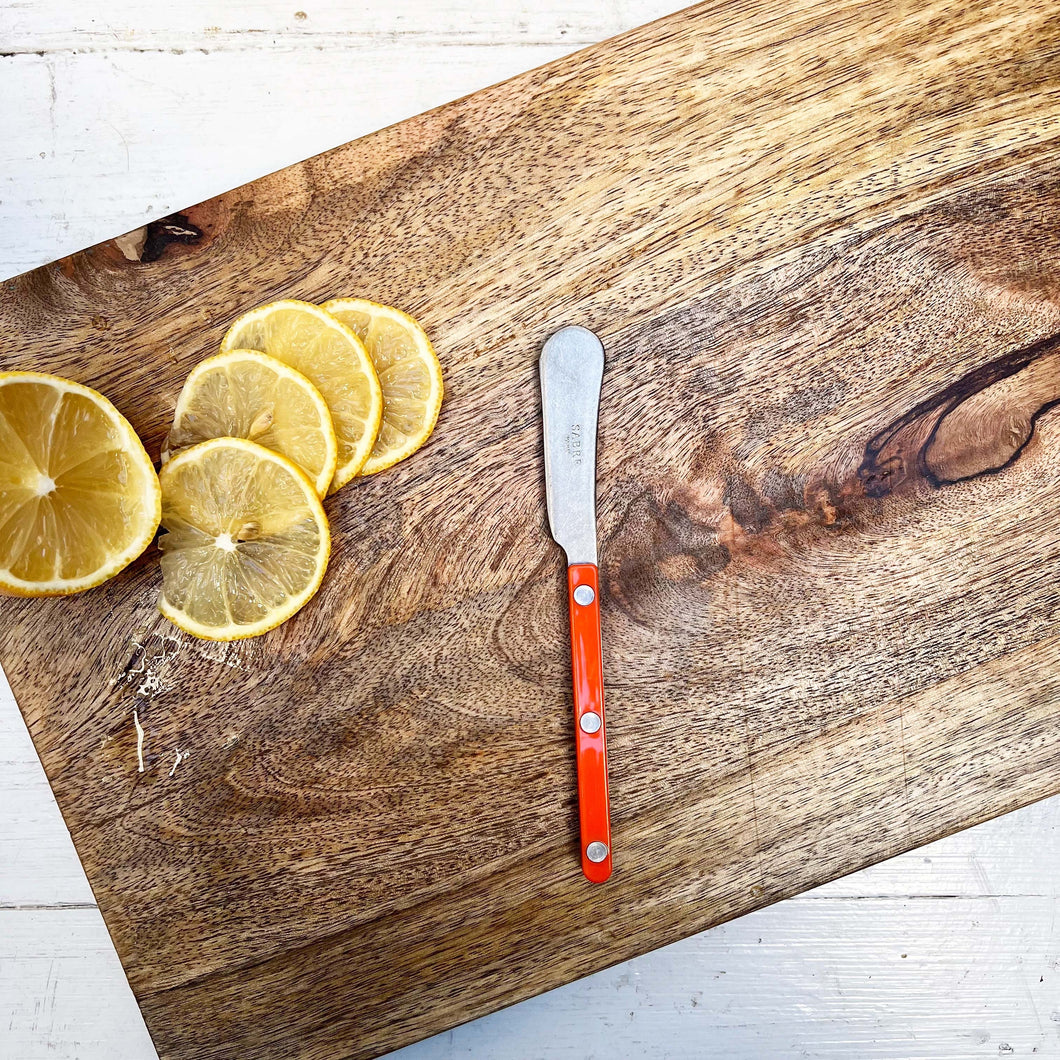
588, 668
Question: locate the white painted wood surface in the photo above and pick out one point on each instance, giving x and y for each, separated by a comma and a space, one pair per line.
111, 114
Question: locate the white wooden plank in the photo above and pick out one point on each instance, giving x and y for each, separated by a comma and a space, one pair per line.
38, 864
875, 979
1016, 854
62, 990
95, 144
162, 131
836, 979
134, 25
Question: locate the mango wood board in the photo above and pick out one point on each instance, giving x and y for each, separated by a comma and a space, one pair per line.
821, 242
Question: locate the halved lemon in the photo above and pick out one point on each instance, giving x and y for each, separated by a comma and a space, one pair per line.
246, 394
332, 358
408, 371
79, 497
246, 541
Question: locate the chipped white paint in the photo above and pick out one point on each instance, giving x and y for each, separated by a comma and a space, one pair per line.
120, 112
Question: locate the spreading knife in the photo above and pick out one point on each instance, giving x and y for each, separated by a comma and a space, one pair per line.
572, 368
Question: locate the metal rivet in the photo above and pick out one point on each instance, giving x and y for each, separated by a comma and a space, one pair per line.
584, 595
596, 852
590, 722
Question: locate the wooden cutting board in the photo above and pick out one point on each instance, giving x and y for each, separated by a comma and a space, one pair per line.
821, 242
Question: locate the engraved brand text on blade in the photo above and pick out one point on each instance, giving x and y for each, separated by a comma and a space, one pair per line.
574, 443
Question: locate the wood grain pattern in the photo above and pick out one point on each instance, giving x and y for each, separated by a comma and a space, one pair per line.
820, 242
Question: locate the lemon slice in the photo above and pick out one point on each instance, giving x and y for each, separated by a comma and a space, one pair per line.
408, 371
79, 498
332, 358
246, 394
246, 541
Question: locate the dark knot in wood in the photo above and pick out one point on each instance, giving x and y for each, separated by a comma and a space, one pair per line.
173, 229
976, 426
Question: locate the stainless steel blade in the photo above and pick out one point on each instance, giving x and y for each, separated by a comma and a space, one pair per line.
572, 368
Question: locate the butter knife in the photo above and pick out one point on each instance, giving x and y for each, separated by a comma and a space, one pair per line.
572, 368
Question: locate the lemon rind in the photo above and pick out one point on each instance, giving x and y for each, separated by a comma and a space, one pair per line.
434, 405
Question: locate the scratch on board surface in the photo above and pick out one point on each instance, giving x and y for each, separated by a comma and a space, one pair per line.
145, 668
905, 772
224, 652
181, 756
139, 742
741, 666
